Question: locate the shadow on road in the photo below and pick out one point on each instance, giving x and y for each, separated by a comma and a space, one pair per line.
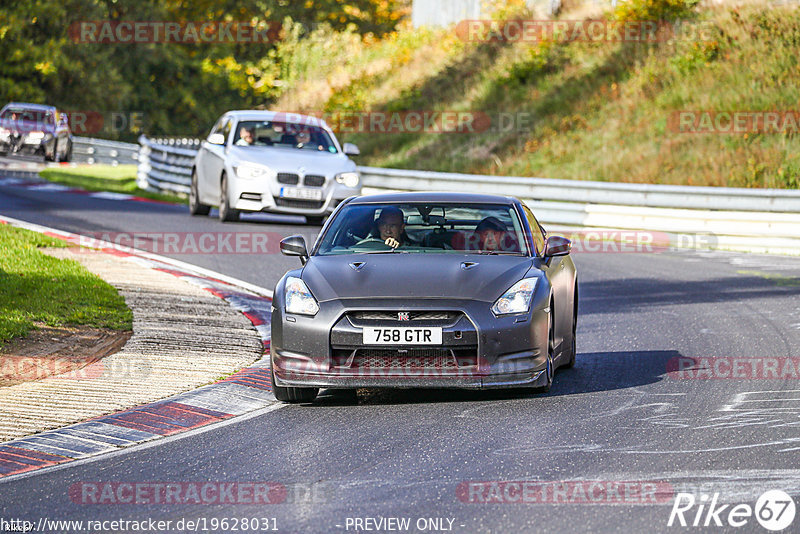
593, 372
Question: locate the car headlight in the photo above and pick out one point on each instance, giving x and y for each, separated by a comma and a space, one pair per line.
299, 299
349, 179
34, 137
517, 299
251, 171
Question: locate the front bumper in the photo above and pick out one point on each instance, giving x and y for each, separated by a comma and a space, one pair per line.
478, 351
254, 196
25, 149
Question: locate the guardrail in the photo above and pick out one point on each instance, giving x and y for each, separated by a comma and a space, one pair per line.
654, 196
753, 220
90, 150
165, 165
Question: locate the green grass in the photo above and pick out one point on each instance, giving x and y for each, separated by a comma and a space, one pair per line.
599, 111
116, 179
37, 288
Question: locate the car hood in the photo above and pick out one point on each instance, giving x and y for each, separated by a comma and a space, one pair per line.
292, 159
398, 275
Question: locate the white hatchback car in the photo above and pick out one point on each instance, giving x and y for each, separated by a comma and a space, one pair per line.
272, 161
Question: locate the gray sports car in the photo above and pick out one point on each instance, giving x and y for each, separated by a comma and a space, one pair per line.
435, 290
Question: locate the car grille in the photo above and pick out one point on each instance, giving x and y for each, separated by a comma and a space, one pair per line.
297, 203
288, 178
413, 359
422, 358
431, 318
314, 180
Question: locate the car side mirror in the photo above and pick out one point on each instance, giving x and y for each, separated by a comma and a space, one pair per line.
350, 149
216, 139
295, 245
557, 246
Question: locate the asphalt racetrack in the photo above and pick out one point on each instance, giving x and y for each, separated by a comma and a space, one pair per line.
686, 381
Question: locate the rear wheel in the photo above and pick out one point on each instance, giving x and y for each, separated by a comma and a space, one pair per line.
226, 212
195, 207
292, 394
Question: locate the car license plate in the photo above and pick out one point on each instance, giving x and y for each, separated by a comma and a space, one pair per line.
304, 194
403, 336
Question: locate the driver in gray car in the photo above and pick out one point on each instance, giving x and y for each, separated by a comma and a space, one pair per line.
391, 226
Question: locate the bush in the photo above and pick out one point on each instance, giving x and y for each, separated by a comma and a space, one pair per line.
632, 10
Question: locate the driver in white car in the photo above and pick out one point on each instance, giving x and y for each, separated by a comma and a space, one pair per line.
245, 137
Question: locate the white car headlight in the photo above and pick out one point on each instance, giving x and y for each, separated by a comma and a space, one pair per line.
252, 171
299, 299
349, 179
34, 137
517, 299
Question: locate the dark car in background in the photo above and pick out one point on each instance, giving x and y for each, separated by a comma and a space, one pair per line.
432, 290
35, 130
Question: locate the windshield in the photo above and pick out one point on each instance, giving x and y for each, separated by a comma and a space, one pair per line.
425, 228
19, 115
285, 134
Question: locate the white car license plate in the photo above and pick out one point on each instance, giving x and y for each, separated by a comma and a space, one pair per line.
297, 192
406, 335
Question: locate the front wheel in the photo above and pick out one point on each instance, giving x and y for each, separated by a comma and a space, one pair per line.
55, 152
226, 212
292, 394
573, 348
551, 368
67, 153
195, 207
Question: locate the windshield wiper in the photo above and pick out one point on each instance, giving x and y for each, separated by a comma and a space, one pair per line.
498, 252
394, 250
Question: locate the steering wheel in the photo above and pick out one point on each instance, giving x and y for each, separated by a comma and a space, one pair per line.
372, 243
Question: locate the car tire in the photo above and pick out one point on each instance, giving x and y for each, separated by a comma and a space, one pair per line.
573, 348
67, 153
195, 207
226, 212
55, 152
292, 394
315, 220
550, 369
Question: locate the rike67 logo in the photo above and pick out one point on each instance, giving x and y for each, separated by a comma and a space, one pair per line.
774, 510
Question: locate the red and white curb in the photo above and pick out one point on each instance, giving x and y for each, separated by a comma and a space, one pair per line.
248, 390
29, 180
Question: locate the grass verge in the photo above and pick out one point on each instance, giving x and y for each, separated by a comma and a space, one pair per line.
37, 288
582, 110
116, 179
